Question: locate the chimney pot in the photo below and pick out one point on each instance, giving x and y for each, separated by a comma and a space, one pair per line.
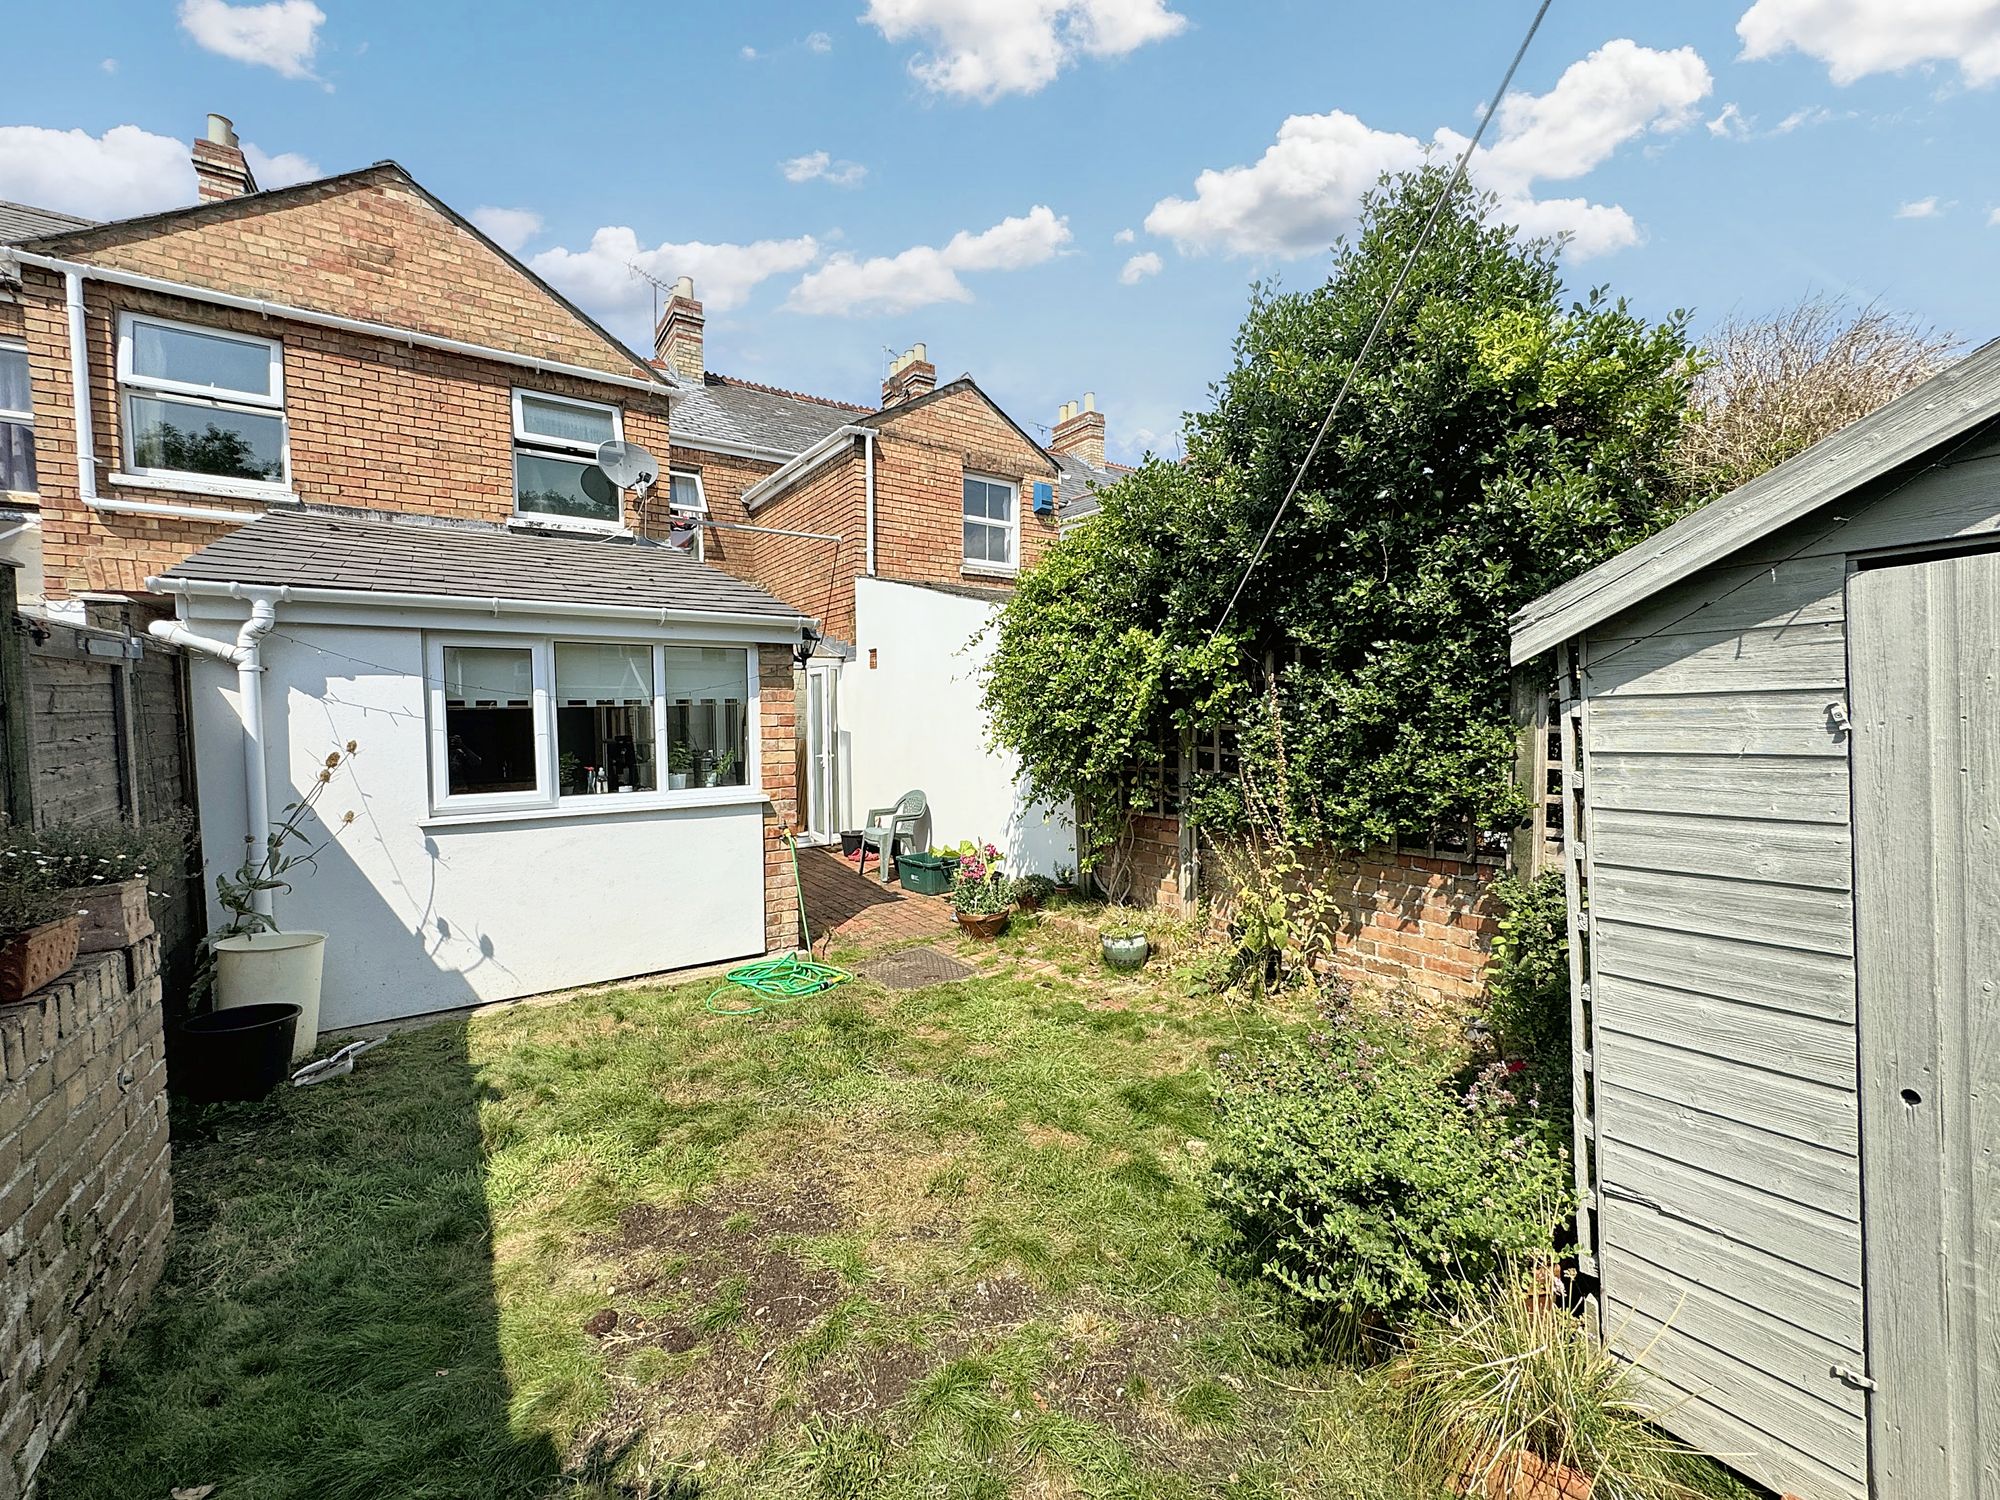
677, 342
911, 374
220, 170
1080, 431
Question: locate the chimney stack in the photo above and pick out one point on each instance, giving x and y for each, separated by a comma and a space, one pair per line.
219, 168
1079, 431
677, 341
910, 375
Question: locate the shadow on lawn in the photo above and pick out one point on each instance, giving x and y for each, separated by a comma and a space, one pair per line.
327, 1326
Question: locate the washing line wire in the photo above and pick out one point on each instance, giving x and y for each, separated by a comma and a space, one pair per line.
1382, 317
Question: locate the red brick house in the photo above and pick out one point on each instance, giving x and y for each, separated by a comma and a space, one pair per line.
353, 441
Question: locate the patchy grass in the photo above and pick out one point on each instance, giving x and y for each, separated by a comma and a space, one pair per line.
941, 1243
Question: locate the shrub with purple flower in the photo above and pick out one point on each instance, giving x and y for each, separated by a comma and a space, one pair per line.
978, 888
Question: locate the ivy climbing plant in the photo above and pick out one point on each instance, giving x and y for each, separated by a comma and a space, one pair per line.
1500, 439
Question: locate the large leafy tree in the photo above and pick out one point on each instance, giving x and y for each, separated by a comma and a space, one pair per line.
1499, 439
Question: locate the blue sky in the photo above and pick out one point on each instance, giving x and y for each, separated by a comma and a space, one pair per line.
1021, 183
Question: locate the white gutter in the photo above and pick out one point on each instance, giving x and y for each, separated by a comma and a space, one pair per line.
732, 450
246, 654
868, 447
803, 464
75, 272
79, 385
200, 588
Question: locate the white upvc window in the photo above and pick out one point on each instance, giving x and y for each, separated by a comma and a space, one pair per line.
520, 723
992, 524
556, 477
17, 419
687, 504
200, 401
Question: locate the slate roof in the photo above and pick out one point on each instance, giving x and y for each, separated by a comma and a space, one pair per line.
1074, 485
315, 549
746, 415
19, 221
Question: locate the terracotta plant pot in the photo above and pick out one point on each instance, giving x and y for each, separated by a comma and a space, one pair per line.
1523, 1476
40, 956
114, 916
985, 928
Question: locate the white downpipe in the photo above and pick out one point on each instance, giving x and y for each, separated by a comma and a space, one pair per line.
74, 271
868, 483
246, 654
79, 388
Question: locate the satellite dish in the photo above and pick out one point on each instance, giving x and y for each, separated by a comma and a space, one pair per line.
627, 465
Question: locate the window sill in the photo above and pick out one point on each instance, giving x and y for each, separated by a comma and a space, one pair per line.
573, 526
195, 484
988, 570
606, 805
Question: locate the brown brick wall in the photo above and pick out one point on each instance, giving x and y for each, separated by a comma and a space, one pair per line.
779, 728
724, 478
371, 247
815, 578
1412, 920
85, 1202
1153, 860
371, 424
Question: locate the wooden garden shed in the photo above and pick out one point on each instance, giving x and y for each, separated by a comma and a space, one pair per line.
1781, 753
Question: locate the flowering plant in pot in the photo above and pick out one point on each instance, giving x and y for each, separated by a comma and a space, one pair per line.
1032, 892
980, 893
254, 961
39, 925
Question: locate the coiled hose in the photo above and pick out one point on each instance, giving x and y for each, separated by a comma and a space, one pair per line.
778, 981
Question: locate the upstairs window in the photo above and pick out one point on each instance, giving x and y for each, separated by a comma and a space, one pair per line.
992, 524
17, 420
202, 401
555, 460
687, 508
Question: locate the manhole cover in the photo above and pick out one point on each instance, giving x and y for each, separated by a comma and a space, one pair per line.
913, 968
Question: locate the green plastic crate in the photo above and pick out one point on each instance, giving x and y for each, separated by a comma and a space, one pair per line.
926, 874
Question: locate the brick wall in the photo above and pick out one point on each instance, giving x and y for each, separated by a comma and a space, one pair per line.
1414, 920
816, 578
724, 478
779, 731
1153, 860
371, 423
85, 1206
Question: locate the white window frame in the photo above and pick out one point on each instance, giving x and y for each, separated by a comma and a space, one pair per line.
561, 448
698, 509
131, 382
1007, 569
19, 418
548, 796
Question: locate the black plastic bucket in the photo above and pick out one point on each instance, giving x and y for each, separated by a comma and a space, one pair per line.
240, 1053
850, 842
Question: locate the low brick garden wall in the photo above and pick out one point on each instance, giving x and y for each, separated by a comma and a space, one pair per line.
85, 1207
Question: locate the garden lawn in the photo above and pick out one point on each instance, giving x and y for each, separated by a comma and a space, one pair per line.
944, 1242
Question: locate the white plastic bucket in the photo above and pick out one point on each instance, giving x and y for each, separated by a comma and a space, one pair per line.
281, 966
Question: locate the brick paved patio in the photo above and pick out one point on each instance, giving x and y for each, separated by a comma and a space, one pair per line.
849, 910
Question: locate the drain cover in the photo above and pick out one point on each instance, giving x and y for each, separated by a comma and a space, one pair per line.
913, 969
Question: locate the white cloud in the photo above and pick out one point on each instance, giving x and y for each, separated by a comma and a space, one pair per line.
1919, 208
1993, 219
509, 228
819, 166
600, 278
819, 41
748, 54
1732, 124
1306, 189
125, 171
110, 65
1139, 267
1123, 237
282, 170
1811, 115
847, 286
282, 35
984, 49
1857, 37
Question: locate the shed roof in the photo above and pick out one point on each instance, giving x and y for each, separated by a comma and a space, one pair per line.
1948, 406
369, 554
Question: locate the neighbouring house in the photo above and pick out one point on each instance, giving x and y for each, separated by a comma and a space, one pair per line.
901, 530
353, 441
1782, 719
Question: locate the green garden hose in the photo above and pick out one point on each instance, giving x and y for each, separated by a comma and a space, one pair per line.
778, 981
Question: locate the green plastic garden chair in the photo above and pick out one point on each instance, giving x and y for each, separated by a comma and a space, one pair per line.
885, 825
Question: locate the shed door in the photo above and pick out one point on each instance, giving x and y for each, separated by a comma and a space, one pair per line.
1924, 662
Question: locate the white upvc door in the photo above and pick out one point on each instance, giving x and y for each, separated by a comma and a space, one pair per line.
822, 757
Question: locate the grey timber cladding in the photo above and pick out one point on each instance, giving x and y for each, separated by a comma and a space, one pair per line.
313, 550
